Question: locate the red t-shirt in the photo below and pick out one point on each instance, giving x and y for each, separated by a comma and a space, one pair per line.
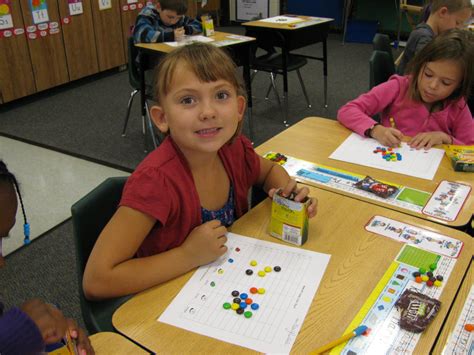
162, 186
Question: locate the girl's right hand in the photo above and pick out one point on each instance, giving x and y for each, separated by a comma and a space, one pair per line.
388, 136
206, 243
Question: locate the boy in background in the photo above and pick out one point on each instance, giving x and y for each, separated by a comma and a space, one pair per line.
444, 15
166, 22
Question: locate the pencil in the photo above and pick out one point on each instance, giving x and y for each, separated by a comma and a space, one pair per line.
356, 332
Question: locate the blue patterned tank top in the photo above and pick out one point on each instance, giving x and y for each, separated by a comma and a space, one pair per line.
225, 214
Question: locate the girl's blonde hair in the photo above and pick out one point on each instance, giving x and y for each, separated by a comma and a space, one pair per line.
208, 62
456, 45
451, 5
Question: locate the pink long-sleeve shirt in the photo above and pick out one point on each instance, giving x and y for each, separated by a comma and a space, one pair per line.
390, 100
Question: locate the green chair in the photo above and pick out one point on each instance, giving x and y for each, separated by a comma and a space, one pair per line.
89, 216
381, 42
381, 68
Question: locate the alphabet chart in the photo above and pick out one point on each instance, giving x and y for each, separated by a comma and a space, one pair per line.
256, 295
421, 163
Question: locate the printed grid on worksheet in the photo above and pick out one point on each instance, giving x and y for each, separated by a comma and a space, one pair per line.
276, 304
462, 341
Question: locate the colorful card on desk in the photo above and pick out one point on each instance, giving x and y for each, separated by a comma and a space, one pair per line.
447, 200
379, 312
257, 295
420, 237
421, 163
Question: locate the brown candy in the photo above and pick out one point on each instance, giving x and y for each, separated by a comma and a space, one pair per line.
417, 310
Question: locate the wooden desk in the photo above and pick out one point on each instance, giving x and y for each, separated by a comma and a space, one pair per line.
240, 52
296, 36
315, 138
455, 310
338, 229
113, 343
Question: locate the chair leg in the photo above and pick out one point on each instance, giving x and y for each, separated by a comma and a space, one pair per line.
273, 86
303, 87
150, 126
272, 82
253, 76
130, 101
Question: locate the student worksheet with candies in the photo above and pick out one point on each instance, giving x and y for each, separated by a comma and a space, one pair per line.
256, 295
402, 160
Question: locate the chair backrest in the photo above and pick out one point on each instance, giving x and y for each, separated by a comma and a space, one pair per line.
89, 216
381, 68
133, 73
381, 42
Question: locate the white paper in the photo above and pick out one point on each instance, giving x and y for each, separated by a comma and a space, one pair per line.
190, 39
6, 21
274, 326
282, 19
421, 163
105, 4
75, 9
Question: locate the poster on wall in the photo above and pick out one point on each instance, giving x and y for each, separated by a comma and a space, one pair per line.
6, 20
105, 4
249, 10
39, 11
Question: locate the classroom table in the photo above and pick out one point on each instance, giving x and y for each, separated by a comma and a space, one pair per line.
456, 310
113, 343
296, 36
240, 52
314, 139
358, 261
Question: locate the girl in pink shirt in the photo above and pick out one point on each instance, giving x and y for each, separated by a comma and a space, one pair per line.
428, 104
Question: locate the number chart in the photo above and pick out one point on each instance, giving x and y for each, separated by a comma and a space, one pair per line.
256, 295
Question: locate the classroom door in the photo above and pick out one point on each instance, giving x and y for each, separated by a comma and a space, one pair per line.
16, 72
129, 9
108, 33
79, 40
45, 42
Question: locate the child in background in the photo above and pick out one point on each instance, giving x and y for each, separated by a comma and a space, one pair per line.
444, 15
428, 104
177, 204
29, 328
167, 24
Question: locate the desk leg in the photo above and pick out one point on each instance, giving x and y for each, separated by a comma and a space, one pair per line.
325, 71
248, 86
285, 84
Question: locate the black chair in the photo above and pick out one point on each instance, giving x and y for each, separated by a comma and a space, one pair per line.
89, 216
134, 80
381, 43
272, 61
381, 68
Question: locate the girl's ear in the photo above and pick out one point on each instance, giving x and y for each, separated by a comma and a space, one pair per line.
159, 118
241, 105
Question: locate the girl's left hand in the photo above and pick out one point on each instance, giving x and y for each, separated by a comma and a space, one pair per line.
428, 139
301, 194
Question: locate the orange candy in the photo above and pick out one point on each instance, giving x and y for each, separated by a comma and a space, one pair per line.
418, 279
469, 327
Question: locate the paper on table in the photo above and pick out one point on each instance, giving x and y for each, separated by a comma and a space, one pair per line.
282, 19
418, 163
288, 294
190, 39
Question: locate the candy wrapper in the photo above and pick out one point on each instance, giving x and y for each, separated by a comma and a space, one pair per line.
417, 310
376, 187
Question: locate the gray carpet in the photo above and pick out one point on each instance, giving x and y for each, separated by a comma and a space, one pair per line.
85, 118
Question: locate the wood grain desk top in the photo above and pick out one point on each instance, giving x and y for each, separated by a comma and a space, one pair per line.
455, 310
286, 26
113, 343
314, 139
166, 48
358, 261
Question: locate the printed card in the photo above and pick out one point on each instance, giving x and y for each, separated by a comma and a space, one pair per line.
420, 237
75, 7
105, 4
447, 201
6, 20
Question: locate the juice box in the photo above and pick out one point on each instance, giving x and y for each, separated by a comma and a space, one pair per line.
289, 220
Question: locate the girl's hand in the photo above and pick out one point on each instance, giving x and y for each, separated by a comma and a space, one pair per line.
83, 343
428, 139
206, 243
301, 194
387, 136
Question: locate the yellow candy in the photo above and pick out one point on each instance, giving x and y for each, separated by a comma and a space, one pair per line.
261, 291
234, 306
437, 283
253, 263
261, 273
424, 278
268, 268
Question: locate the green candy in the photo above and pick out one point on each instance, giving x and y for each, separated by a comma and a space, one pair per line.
248, 314
226, 305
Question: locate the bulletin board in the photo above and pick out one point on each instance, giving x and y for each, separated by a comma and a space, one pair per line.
248, 10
